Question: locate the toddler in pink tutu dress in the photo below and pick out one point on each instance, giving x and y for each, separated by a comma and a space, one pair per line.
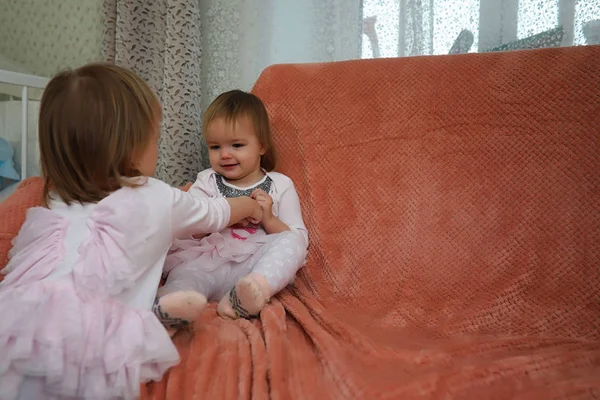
79, 289
242, 266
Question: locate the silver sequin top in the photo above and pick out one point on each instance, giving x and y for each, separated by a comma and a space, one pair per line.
228, 191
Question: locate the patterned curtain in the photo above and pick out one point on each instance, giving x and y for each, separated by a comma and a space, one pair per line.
161, 41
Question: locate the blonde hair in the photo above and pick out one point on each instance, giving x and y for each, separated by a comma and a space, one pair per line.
94, 122
236, 104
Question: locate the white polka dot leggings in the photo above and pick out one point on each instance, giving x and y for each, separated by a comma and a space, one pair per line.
277, 260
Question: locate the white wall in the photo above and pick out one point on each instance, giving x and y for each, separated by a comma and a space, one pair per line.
46, 36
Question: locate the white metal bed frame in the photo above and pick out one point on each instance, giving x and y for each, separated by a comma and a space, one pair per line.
26, 82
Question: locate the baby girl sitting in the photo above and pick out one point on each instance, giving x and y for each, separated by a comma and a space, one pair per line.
244, 265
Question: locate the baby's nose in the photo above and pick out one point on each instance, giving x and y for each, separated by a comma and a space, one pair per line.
225, 153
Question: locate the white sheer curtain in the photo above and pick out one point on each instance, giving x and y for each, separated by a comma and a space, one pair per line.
396, 28
242, 37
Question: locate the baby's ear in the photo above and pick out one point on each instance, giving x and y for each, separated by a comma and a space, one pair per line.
186, 187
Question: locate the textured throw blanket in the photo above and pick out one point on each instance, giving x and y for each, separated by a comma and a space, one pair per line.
453, 204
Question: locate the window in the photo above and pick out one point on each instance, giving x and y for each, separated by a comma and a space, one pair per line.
587, 15
382, 15
394, 28
450, 18
536, 16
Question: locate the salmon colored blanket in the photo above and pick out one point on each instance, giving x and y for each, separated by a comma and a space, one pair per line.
453, 204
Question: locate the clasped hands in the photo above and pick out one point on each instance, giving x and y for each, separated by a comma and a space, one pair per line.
265, 201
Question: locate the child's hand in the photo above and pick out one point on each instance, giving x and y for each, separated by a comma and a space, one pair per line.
245, 223
266, 203
258, 215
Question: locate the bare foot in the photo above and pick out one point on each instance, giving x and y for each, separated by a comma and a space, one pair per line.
178, 309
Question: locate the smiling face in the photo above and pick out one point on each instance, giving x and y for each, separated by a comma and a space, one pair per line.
234, 150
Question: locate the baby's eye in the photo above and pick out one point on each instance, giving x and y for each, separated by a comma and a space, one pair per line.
213, 147
238, 145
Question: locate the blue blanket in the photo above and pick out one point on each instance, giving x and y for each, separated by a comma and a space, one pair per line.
8, 173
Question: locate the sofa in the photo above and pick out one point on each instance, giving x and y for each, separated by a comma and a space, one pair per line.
453, 207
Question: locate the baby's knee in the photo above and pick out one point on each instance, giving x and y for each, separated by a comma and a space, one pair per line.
292, 243
188, 277
292, 238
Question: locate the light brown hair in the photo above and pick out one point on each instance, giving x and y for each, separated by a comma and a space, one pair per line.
236, 104
94, 122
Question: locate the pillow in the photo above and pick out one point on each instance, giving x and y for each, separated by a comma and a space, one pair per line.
549, 38
463, 42
8, 174
13, 210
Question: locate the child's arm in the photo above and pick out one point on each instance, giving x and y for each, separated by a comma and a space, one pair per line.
270, 222
201, 189
290, 213
243, 207
191, 215
197, 191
